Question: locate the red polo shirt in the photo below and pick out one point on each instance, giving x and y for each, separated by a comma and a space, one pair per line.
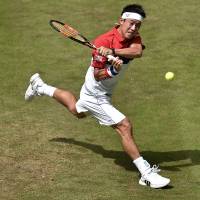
111, 39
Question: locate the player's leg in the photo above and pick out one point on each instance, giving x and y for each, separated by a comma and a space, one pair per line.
149, 176
67, 99
37, 87
124, 128
101, 109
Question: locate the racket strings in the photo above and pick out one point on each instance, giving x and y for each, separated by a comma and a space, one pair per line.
70, 31
66, 30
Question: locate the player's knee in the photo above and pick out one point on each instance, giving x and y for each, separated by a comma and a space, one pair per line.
125, 126
73, 110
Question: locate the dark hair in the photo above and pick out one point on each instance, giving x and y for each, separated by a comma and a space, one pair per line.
136, 8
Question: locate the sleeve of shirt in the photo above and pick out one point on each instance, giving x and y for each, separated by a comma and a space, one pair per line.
99, 61
138, 40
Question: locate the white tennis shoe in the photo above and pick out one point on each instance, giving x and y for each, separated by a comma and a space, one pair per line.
34, 88
153, 179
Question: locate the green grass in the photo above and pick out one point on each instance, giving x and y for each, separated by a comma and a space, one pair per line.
46, 153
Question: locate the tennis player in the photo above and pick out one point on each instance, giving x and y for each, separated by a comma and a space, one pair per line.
124, 42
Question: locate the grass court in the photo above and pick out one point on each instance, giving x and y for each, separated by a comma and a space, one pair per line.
47, 154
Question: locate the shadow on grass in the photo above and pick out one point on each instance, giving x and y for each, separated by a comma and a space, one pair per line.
122, 159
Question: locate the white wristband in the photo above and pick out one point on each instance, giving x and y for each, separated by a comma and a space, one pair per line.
112, 71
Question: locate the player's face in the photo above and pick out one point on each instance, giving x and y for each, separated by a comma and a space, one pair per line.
129, 28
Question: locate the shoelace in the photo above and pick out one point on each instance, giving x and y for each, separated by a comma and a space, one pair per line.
155, 169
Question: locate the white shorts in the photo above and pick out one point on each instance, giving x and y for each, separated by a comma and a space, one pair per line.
100, 108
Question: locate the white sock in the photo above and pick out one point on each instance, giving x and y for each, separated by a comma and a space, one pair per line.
142, 165
47, 90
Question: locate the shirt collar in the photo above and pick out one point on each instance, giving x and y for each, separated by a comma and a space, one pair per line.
117, 34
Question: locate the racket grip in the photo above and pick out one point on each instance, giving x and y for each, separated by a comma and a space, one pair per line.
110, 57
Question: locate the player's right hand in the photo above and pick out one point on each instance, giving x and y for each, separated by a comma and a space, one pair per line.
104, 51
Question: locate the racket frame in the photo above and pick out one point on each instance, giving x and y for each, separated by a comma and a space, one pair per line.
85, 41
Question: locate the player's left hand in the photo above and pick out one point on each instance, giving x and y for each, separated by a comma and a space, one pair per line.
116, 63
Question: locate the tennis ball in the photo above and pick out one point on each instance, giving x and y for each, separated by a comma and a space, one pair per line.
169, 75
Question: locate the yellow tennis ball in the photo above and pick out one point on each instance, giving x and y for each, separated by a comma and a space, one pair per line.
169, 75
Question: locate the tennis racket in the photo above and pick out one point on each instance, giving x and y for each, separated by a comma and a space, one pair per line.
74, 35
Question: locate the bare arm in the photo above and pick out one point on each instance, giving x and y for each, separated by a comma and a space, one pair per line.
134, 51
101, 74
